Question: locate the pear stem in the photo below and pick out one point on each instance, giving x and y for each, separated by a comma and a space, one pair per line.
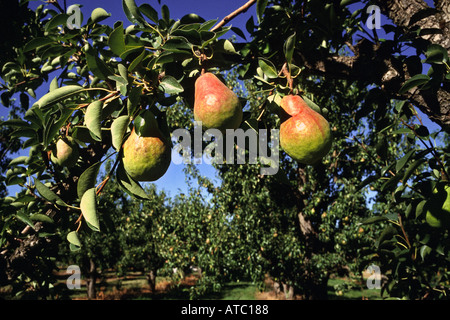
287, 74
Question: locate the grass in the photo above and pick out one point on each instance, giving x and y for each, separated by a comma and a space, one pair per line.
350, 289
135, 287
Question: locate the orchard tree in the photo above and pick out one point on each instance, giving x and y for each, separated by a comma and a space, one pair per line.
118, 92
101, 251
142, 240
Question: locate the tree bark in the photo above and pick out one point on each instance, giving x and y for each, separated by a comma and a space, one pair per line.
152, 280
288, 291
91, 279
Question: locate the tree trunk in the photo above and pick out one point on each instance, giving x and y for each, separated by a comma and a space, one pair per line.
91, 279
276, 288
288, 291
317, 288
152, 280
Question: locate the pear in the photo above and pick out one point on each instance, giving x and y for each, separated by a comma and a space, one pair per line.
438, 206
147, 151
305, 135
65, 153
216, 105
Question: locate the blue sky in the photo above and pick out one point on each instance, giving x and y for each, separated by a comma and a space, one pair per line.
174, 180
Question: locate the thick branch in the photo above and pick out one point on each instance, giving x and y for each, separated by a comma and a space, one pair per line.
377, 64
410, 13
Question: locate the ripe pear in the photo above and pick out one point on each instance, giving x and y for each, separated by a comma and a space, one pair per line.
146, 153
65, 153
305, 135
216, 105
438, 206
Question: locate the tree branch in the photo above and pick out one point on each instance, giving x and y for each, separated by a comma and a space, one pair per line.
375, 63
232, 15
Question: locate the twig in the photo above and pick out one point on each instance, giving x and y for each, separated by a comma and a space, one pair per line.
232, 15
403, 230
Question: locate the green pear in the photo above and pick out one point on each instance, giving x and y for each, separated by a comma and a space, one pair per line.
216, 105
305, 135
65, 153
438, 206
147, 151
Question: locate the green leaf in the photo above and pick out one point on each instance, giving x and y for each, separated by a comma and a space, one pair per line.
402, 162
58, 95
82, 134
93, 118
131, 186
368, 181
424, 251
18, 160
73, 239
137, 60
170, 85
118, 130
99, 14
52, 126
88, 207
239, 32
132, 8
134, 99
260, 8
268, 68
422, 131
88, 179
165, 13
436, 54
177, 44
311, 104
41, 218
116, 40
345, 3
412, 167
149, 12
25, 218
414, 81
53, 84
386, 234
420, 208
393, 181
123, 72
374, 219
16, 123
289, 47
97, 66
37, 42
57, 20
227, 46
48, 194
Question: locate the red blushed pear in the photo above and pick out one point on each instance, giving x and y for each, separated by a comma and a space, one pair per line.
305, 136
147, 155
216, 105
